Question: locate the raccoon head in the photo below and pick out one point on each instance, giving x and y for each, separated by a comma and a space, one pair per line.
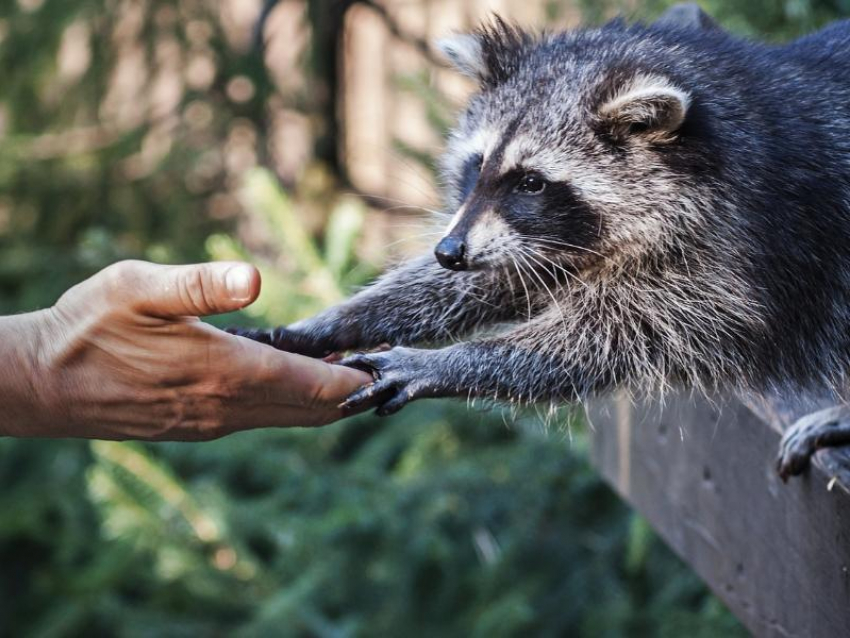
564, 154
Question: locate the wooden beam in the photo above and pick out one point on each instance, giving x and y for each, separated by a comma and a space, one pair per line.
703, 474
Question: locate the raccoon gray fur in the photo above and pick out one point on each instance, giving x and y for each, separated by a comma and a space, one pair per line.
650, 206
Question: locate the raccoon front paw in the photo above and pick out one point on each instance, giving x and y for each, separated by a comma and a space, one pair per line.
401, 376
825, 428
288, 340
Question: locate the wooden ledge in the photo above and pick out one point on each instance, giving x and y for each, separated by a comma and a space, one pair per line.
702, 473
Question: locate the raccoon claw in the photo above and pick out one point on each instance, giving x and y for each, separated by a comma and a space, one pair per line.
364, 398
825, 428
285, 339
361, 361
401, 376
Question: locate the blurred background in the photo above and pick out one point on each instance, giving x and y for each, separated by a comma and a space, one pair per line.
300, 136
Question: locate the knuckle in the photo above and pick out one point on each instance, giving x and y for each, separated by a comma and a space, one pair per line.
194, 291
114, 272
120, 277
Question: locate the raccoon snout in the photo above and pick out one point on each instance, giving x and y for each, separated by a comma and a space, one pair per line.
451, 253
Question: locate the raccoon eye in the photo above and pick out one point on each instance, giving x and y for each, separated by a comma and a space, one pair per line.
531, 184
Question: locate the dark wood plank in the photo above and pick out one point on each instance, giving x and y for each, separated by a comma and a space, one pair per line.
703, 475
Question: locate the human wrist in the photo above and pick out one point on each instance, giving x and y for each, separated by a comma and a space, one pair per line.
26, 385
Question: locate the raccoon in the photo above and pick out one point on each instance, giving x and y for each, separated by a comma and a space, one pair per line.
633, 206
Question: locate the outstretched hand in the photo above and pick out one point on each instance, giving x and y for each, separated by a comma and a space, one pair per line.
123, 355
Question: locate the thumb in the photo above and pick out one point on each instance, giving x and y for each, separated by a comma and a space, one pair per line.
198, 290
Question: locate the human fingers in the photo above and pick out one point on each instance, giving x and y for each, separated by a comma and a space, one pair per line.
277, 380
178, 291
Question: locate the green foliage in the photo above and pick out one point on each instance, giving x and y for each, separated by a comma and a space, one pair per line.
83, 185
439, 521
320, 271
772, 19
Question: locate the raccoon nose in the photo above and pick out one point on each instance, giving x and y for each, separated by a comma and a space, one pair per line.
451, 253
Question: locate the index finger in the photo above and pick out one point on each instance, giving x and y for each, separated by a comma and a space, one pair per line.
305, 382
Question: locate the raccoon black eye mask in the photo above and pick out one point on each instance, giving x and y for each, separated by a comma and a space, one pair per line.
645, 207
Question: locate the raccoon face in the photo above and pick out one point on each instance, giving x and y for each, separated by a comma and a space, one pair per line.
514, 210
555, 162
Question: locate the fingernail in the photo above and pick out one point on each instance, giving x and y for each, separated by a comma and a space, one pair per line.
237, 280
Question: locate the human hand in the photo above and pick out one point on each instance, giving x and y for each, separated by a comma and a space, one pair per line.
123, 355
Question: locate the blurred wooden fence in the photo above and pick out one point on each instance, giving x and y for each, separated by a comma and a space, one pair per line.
382, 116
703, 473
390, 81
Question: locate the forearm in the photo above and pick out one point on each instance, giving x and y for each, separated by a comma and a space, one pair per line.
22, 386
534, 362
418, 302
500, 370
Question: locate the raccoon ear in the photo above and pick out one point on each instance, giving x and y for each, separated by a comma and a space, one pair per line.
466, 54
490, 54
650, 106
687, 15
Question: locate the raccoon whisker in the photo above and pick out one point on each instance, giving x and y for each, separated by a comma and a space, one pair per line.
395, 153
411, 164
548, 266
402, 204
412, 207
472, 288
416, 225
528, 269
549, 263
411, 238
569, 274
557, 305
529, 255
523, 257
510, 281
522, 281
544, 242
417, 188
